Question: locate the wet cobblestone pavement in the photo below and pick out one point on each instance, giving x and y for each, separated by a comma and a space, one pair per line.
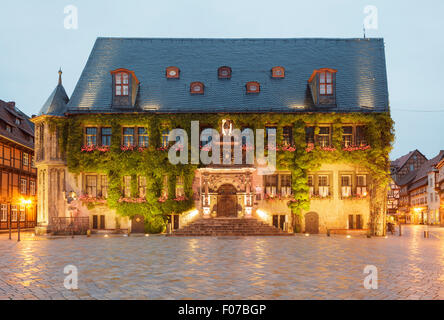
158, 267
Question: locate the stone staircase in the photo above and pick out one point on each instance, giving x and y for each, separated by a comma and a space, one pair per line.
228, 227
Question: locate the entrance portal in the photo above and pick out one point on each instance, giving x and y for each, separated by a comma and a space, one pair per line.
227, 201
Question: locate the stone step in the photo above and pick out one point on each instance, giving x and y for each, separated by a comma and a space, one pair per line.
229, 227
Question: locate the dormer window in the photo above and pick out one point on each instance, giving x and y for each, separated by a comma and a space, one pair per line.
224, 72
322, 86
17, 121
172, 73
197, 88
125, 85
278, 72
253, 87
122, 84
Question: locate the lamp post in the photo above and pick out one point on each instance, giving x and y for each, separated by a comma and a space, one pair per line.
25, 203
10, 223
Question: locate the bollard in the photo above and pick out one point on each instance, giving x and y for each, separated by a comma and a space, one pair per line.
328, 232
426, 234
400, 233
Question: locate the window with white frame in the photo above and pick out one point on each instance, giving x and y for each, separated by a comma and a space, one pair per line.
180, 189
22, 213
4, 212
25, 159
323, 185
32, 187
127, 186
271, 183
310, 185
142, 186
346, 185
361, 185
324, 137
347, 136
91, 186
23, 185
285, 184
14, 213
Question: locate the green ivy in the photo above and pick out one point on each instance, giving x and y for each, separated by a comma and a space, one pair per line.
154, 164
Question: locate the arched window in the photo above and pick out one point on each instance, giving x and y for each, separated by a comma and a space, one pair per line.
196, 88
121, 83
172, 73
278, 72
253, 87
224, 72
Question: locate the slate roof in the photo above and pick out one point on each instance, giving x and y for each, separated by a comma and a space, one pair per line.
56, 104
20, 133
400, 162
418, 177
361, 77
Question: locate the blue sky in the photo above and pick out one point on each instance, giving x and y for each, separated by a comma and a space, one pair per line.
34, 44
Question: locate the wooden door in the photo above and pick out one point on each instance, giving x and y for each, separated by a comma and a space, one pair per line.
351, 224
138, 224
227, 202
102, 222
312, 223
95, 222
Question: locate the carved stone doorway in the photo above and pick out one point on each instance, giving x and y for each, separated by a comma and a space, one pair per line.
227, 201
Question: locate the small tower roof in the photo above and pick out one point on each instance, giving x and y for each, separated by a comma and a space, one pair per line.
57, 101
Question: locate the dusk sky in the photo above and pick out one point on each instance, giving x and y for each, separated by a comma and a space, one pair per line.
34, 43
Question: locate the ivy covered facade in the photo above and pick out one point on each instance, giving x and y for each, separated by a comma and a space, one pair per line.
102, 155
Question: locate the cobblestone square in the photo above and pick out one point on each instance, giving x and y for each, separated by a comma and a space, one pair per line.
158, 267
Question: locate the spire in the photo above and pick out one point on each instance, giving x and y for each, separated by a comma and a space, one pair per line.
60, 76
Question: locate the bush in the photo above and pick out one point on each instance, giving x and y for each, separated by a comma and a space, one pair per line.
155, 224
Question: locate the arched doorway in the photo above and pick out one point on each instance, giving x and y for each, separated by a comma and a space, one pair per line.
227, 201
312, 223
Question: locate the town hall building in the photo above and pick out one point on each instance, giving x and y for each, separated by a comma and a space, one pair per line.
103, 153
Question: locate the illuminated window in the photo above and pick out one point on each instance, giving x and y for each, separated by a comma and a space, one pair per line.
4, 212
278, 72
324, 137
91, 136
253, 87
128, 137
287, 135
224, 72
91, 186
143, 137
25, 159
22, 213
23, 186
32, 187
165, 134
103, 191
142, 186
122, 84
13, 213
347, 136
325, 83
196, 88
127, 186
172, 73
